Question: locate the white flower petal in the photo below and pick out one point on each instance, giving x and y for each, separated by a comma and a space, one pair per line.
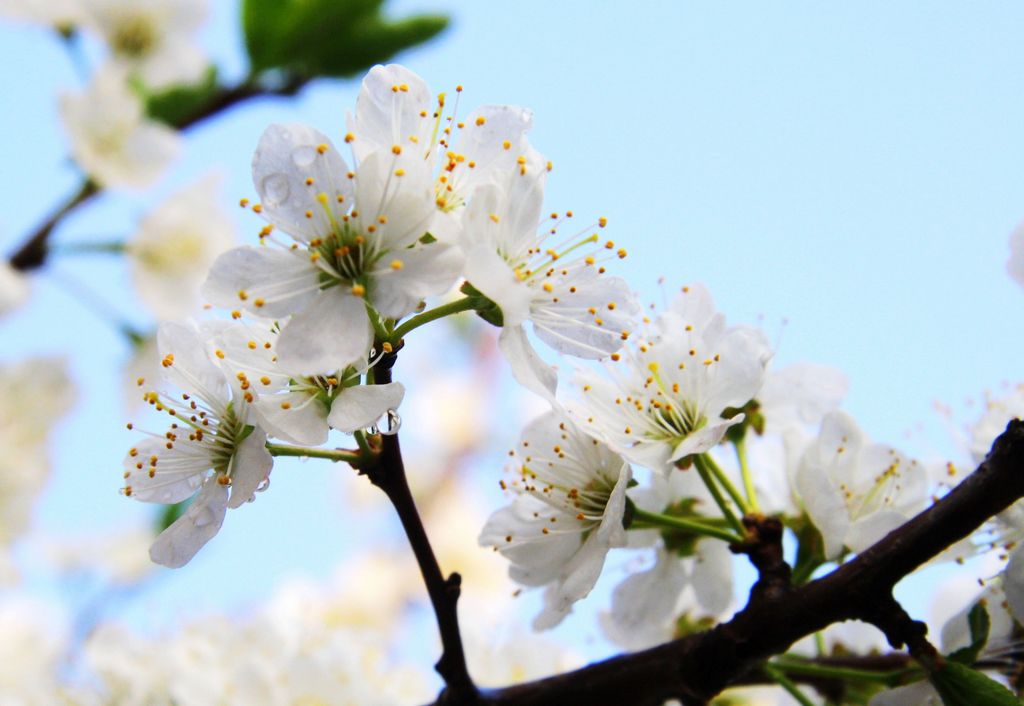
303, 421
287, 157
177, 544
332, 332
186, 363
361, 406
250, 466
528, 368
394, 105
412, 275
492, 276
265, 281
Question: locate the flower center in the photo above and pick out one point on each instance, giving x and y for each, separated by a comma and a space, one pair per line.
134, 36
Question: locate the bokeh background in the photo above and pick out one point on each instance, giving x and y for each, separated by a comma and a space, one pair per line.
844, 176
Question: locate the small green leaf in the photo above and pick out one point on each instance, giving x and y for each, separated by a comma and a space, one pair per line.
978, 622
174, 105
328, 37
959, 685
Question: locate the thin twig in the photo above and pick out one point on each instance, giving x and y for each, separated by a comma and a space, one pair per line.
33, 251
695, 668
387, 472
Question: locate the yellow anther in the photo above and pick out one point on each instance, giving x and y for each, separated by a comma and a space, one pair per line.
358, 290
388, 348
243, 202
396, 149
611, 306
481, 120
494, 217
265, 380
168, 360
252, 345
621, 253
236, 314
397, 265
507, 145
602, 222
349, 137
309, 214
399, 172
258, 302
382, 219
258, 208
547, 287
321, 148
322, 198
309, 181
615, 356
403, 87
219, 353
286, 405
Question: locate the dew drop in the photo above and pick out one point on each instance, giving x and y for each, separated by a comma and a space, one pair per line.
304, 156
264, 484
394, 423
275, 189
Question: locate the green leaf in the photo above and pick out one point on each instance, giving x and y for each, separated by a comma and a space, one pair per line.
978, 622
329, 37
173, 105
959, 685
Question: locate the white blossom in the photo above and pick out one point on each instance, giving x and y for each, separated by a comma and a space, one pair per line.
358, 243
174, 247
556, 286
59, 14
152, 40
669, 392
395, 107
296, 407
570, 498
111, 138
856, 492
211, 453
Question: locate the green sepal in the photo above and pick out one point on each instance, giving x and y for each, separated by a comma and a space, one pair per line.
486, 309
328, 37
174, 105
247, 430
628, 513
959, 685
752, 419
687, 626
978, 622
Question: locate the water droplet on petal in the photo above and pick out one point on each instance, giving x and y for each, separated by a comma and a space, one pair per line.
394, 423
275, 189
264, 484
304, 156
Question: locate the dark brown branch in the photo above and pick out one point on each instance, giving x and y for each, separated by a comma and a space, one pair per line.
697, 667
387, 472
33, 251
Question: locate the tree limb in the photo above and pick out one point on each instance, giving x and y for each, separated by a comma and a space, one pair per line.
695, 668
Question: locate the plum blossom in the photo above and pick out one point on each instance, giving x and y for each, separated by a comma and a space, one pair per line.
395, 107
670, 393
34, 393
111, 138
558, 287
856, 492
295, 407
152, 40
358, 243
570, 497
211, 453
175, 245
59, 14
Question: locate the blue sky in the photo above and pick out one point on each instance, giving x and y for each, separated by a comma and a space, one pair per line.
851, 170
